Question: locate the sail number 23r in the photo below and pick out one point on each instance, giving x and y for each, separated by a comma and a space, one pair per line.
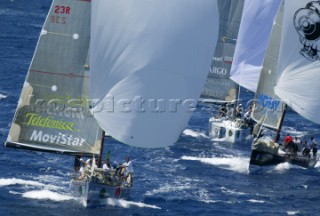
58, 9
60, 14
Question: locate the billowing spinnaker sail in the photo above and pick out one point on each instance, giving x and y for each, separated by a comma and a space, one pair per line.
148, 59
256, 23
53, 109
218, 85
267, 106
299, 60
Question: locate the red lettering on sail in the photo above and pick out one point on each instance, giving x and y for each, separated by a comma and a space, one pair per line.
56, 9
61, 9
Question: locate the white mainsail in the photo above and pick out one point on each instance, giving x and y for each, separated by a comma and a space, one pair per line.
267, 106
53, 110
299, 60
218, 86
256, 24
148, 58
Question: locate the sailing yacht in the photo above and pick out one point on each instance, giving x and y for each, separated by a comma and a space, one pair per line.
219, 88
101, 66
290, 78
243, 70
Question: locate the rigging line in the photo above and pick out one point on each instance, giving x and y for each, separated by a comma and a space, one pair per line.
239, 84
61, 34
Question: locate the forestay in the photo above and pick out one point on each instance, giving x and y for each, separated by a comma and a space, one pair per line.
147, 59
53, 110
254, 33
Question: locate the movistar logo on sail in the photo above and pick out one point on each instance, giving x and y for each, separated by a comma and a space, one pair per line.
34, 119
268, 102
60, 138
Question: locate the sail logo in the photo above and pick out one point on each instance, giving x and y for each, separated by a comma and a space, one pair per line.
34, 119
64, 139
268, 102
225, 59
307, 24
219, 70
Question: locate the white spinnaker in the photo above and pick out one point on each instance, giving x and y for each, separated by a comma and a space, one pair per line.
299, 77
154, 50
299, 88
256, 24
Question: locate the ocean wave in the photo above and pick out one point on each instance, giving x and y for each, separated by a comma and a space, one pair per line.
51, 179
192, 133
233, 192
14, 181
3, 96
169, 188
292, 212
317, 164
47, 195
217, 201
126, 204
294, 132
17, 13
14, 192
256, 201
236, 164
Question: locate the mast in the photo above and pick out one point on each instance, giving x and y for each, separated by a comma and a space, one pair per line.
101, 150
280, 126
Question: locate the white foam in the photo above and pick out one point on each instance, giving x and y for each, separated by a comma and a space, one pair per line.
317, 164
14, 181
225, 190
47, 195
217, 201
256, 201
189, 132
126, 204
292, 212
293, 132
236, 164
3, 96
168, 188
14, 192
282, 167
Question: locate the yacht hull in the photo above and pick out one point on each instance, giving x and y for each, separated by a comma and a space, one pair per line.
231, 131
96, 194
